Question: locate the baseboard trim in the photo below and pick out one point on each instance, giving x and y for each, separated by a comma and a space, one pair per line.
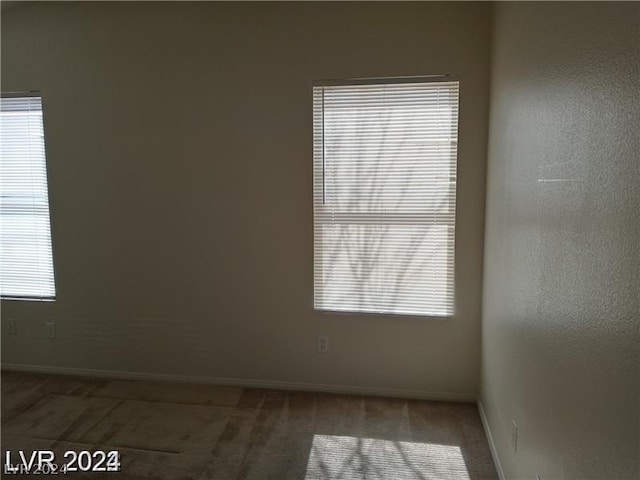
492, 445
243, 382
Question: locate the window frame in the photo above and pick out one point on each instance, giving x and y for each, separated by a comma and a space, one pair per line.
38, 298
383, 81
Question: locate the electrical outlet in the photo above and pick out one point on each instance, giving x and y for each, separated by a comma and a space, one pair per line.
514, 436
11, 326
51, 329
323, 343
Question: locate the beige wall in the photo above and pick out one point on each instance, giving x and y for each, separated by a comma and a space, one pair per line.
179, 151
562, 292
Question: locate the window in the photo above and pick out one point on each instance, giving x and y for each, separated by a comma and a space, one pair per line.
384, 154
26, 261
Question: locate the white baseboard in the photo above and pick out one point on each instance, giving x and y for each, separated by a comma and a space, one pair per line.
492, 445
244, 382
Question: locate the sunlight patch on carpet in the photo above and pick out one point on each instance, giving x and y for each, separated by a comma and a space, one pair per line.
335, 457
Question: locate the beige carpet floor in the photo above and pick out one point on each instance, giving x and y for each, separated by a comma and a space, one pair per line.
169, 431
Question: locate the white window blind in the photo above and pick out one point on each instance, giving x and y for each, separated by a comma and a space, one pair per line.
26, 261
385, 155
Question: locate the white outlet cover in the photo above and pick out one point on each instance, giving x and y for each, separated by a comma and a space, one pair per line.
51, 329
323, 343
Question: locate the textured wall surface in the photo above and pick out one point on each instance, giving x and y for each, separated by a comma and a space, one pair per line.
561, 284
179, 141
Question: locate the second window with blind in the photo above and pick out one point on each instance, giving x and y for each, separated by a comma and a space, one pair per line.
26, 256
384, 195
